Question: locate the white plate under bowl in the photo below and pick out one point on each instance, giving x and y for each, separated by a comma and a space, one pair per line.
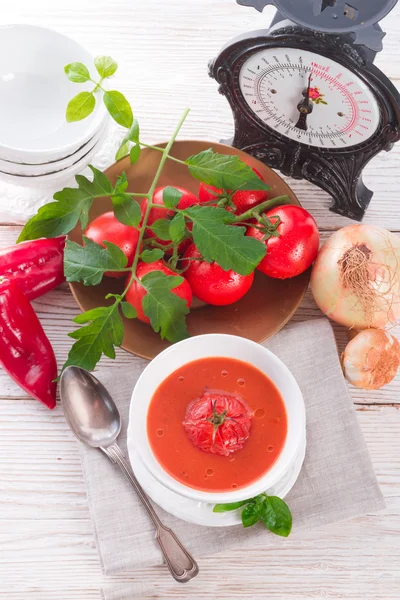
34, 93
58, 177
201, 513
23, 169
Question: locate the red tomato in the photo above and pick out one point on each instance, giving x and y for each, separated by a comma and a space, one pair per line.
136, 292
295, 249
211, 284
107, 228
187, 199
218, 422
243, 199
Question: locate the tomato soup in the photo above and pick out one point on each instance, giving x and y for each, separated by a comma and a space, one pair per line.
263, 433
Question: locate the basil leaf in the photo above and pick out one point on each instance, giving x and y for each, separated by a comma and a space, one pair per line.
99, 337
222, 171
171, 197
161, 229
177, 228
126, 209
134, 154
77, 72
80, 107
122, 151
227, 245
128, 310
118, 107
219, 508
105, 65
149, 256
250, 514
89, 262
165, 310
72, 204
276, 516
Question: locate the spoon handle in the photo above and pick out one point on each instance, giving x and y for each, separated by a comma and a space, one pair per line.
181, 564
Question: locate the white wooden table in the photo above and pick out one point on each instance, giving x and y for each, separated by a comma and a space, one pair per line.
47, 548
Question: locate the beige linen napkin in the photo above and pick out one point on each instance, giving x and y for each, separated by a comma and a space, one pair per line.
337, 481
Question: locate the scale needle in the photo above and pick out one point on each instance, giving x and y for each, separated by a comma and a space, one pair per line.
305, 108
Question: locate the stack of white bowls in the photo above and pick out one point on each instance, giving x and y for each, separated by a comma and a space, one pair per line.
38, 148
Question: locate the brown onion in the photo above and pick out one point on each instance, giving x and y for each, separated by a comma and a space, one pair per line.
356, 277
371, 359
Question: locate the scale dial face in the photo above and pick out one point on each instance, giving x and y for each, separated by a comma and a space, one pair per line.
343, 113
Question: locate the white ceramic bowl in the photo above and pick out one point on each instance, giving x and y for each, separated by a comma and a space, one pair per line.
27, 170
217, 345
34, 93
58, 177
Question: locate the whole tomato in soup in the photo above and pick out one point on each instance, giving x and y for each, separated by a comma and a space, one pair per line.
210, 283
293, 247
242, 199
137, 292
107, 228
218, 422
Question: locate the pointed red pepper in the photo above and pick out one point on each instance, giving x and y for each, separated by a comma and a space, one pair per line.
36, 266
25, 351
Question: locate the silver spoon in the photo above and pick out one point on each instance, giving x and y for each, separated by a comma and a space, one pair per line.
94, 418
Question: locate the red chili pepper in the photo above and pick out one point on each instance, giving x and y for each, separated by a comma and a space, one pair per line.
25, 351
37, 266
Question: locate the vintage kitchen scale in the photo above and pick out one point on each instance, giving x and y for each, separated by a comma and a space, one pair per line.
306, 97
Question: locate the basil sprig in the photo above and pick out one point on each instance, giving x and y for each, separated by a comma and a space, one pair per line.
270, 510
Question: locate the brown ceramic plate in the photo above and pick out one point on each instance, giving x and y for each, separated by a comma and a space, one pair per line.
264, 310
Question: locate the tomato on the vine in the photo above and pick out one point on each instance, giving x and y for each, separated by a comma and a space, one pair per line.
210, 283
242, 199
292, 249
136, 292
161, 212
107, 228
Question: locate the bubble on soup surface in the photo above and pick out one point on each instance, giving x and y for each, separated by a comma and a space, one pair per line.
160, 432
241, 382
224, 373
270, 448
181, 378
234, 485
259, 413
209, 472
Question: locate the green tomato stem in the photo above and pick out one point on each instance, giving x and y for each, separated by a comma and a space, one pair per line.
264, 206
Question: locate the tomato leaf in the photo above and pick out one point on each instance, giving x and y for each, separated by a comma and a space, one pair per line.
126, 209
134, 154
77, 72
161, 229
103, 331
219, 508
105, 65
250, 514
222, 171
88, 263
276, 516
171, 196
118, 107
149, 256
72, 204
177, 228
134, 132
128, 310
220, 242
165, 310
122, 183
122, 151
80, 107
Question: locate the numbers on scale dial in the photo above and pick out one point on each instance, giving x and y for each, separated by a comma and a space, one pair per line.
343, 110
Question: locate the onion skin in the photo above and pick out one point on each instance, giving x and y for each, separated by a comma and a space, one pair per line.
371, 359
342, 303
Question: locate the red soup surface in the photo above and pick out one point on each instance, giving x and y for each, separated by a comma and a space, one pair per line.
205, 470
